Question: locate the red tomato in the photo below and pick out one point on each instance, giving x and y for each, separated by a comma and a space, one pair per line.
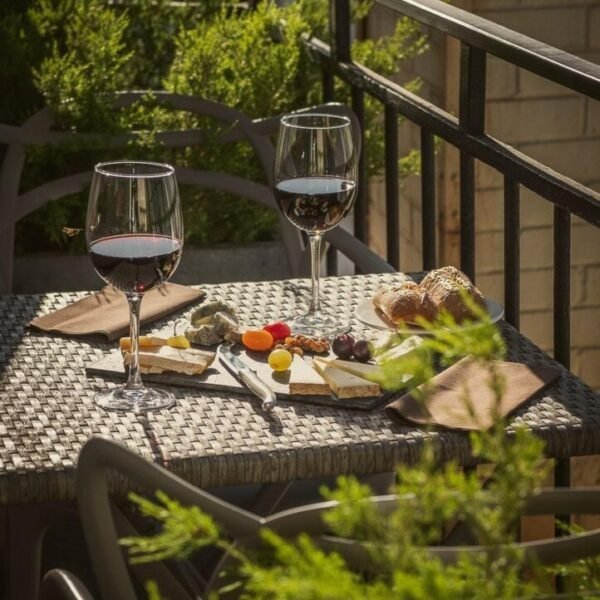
278, 330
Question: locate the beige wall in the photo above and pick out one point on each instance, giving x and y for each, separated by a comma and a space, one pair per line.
543, 120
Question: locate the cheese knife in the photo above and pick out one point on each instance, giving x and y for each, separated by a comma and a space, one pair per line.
248, 377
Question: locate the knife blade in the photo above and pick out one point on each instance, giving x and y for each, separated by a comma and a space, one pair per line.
248, 377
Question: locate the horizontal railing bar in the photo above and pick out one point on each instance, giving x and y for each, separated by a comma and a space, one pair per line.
518, 49
539, 178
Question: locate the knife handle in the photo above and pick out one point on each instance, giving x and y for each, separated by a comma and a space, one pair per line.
258, 387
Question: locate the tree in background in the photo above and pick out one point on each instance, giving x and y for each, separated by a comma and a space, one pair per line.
73, 56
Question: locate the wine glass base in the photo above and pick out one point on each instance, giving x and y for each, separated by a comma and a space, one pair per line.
319, 325
136, 400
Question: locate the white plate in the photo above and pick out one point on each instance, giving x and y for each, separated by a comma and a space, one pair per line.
366, 313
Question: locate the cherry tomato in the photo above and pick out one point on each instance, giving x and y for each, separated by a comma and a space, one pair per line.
279, 330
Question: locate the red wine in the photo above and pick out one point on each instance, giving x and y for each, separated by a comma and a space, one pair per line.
315, 203
135, 263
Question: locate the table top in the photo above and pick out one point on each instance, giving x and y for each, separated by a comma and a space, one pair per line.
219, 438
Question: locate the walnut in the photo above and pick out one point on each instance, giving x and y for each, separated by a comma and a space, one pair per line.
293, 349
307, 343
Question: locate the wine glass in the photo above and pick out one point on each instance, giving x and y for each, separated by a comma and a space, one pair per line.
315, 187
134, 233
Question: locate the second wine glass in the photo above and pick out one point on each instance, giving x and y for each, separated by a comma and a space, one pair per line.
134, 232
315, 187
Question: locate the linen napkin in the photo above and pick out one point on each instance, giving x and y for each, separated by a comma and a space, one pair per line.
107, 312
445, 404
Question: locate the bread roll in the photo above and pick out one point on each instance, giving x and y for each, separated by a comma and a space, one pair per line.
446, 287
404, 302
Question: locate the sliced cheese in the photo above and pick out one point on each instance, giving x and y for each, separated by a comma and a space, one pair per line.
187, 361
364, 370
344, 384
145, 341
305, 381
408, 345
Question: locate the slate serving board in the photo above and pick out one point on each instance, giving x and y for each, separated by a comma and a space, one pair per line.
217, 377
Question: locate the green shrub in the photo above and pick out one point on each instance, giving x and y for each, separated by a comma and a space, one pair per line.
83, 52
431, 496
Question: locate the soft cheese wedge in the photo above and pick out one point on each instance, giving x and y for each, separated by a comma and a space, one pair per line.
344, 384
165, 358
305, 381
364, 370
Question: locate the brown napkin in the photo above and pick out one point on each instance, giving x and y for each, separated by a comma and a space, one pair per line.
107, 312
445, 403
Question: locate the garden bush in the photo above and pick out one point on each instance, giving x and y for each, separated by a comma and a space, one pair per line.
73, 56
431, 495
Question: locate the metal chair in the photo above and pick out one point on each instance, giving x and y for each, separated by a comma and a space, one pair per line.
37, 130
100, 523
62, 585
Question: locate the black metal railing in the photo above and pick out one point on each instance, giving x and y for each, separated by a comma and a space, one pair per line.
478, 39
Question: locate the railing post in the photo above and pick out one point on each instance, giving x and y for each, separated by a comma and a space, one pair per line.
512, 245
472, 121
428, 207
341, 41
562, 327
392, 199
339, 29
361, 209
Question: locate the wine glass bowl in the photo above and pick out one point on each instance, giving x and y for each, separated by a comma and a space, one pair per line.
315, 178
134, 233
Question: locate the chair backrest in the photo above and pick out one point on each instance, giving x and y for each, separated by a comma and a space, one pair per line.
37, 130
98, 456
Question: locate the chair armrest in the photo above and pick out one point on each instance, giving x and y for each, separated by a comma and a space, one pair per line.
58, 584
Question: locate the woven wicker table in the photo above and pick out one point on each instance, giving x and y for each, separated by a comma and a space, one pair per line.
218, 439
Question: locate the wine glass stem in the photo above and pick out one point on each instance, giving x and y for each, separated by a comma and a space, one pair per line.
134, 381
315, 272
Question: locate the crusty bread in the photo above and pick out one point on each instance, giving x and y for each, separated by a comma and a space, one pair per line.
404, 302
446, 287
441, 289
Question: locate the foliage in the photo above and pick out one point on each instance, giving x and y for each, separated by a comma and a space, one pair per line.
184, 531
76, 55
448, 342
396, 562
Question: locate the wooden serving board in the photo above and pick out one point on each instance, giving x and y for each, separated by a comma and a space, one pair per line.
217, 377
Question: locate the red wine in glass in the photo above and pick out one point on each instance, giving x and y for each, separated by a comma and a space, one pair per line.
135, 263
315, 204
315, 179
134, 232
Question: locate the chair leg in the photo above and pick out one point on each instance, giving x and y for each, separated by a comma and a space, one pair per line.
26, 528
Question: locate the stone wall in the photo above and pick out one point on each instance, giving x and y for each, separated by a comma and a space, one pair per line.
543, 120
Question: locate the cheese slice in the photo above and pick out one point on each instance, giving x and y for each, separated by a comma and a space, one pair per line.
305, 381
145, 341
344, 384
364, 370
187, 361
